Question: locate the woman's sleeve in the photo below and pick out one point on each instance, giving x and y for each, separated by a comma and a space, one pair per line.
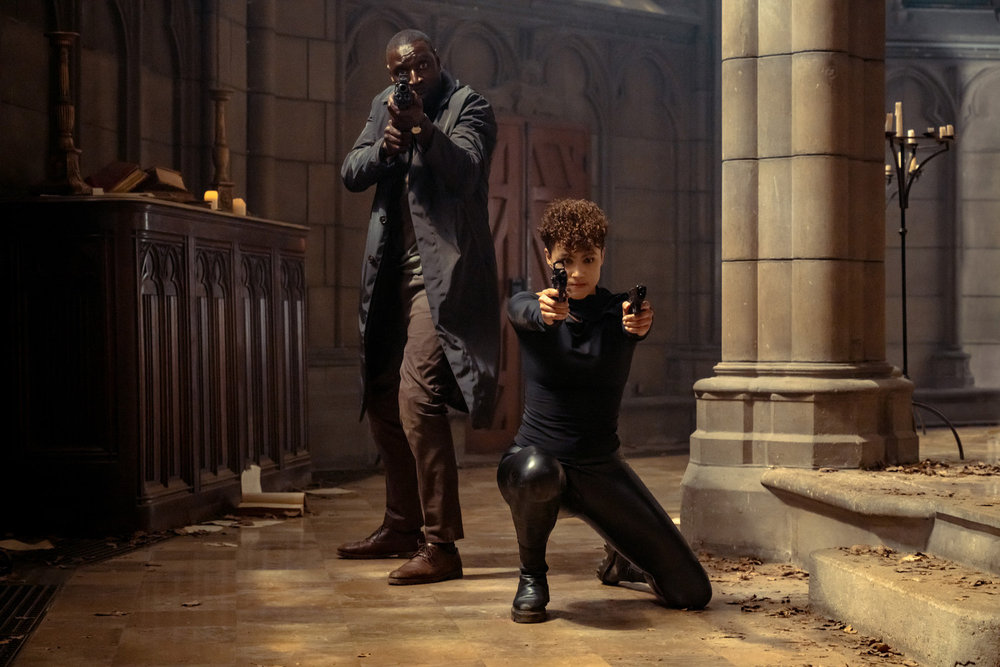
524, 312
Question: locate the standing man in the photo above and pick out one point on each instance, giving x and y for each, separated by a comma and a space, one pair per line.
429, 310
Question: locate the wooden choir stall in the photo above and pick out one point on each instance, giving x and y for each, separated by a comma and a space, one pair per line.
153, 350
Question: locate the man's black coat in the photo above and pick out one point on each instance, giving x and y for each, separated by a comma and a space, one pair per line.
448, 198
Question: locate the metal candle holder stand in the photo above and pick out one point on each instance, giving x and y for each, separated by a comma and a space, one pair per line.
907, 168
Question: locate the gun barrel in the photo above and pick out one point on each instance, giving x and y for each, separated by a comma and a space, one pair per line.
636, 296
403, 94
560, 279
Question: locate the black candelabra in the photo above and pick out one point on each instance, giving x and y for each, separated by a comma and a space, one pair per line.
909, 155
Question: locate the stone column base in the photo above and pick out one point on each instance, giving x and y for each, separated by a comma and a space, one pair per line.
808, 416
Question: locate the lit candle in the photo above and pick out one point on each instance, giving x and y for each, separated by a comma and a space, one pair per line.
212, 197
239, 206
911, 136
899, 119
942, 132
951, 130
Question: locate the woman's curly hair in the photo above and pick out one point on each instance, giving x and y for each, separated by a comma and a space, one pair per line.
577, 224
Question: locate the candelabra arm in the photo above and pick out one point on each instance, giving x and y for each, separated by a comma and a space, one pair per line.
945, 146
902, 156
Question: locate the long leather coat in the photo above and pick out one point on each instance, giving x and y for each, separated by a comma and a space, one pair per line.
448, 191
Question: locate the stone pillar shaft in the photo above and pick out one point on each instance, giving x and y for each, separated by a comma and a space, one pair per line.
803, 214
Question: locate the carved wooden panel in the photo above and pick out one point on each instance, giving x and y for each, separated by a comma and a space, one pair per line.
214, 365
258, 399
156, 350
292, 299
162, 377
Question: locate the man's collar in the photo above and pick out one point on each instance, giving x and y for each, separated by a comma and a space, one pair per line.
448, 87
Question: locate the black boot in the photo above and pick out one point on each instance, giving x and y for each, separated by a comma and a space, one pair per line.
531, 597
532, 483
615, 569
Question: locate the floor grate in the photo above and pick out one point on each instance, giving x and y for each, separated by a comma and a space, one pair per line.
70, 552
22, 607
74, 552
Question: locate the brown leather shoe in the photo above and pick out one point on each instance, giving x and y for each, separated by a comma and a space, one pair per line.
431, 563
383, 543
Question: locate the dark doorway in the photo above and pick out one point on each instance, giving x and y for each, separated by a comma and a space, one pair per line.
534, 163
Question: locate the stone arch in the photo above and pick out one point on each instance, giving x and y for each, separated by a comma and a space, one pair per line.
979, 201
571, 69
478, 56
180, 40
980, 102
157, 88
364, 55
104, 74
663, 80
938, 105
648, 148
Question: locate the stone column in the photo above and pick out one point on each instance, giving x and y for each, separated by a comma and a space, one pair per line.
803, 381
262, 56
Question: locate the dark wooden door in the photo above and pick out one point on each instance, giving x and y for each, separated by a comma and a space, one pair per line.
533, 164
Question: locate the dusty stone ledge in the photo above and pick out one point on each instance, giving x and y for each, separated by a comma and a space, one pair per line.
937, 611
973, 500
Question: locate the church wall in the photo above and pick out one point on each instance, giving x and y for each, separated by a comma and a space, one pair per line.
303, 73
943, 63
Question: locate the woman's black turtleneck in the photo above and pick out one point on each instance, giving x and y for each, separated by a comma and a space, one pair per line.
574, 374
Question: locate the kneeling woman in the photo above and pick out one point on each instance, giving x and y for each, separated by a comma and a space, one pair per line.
576, 354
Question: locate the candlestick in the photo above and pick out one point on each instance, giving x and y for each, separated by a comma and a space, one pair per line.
63, 168
220, 150
899, 119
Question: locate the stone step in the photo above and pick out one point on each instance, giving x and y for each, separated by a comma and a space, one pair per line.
936, 611
951, 512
